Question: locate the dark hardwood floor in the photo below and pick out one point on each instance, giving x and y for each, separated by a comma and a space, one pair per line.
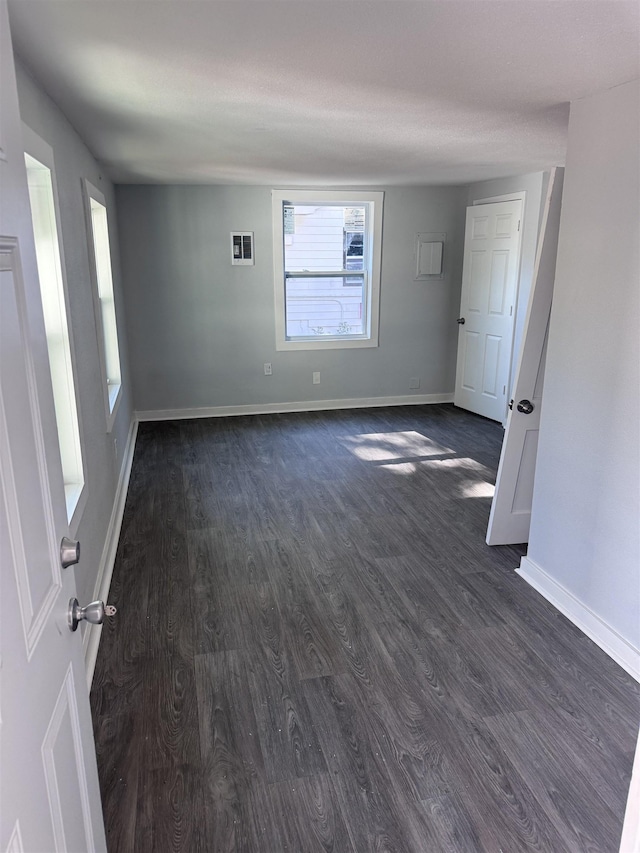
316, 651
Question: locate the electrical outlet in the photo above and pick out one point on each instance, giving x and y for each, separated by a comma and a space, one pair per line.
267, 368
414, 383
316, 377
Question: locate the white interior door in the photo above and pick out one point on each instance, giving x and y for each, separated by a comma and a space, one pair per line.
487, 307
49, 794
511, 507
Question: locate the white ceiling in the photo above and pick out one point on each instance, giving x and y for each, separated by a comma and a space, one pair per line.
336, 92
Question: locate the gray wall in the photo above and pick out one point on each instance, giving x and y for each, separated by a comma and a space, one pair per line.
534, 185
200, 330
584, 525
73, 161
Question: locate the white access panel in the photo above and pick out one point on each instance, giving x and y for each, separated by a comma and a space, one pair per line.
429, 255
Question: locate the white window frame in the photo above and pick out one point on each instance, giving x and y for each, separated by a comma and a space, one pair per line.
348, 198
109, 350
64, 373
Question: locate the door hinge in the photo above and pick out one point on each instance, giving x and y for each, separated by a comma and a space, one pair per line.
511, 311
518, 224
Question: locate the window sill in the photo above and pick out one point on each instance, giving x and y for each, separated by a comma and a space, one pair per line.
329, 343
113, 401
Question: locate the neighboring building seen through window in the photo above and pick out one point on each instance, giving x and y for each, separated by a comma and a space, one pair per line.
353, 256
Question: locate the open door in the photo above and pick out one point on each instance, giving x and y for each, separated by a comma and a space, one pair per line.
511, 507
490, 273
49, 780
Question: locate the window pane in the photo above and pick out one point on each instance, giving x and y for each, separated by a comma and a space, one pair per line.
102, 256
319, 237
324, 306
50, 275
353, 250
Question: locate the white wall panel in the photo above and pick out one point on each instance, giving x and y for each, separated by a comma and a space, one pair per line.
585, 516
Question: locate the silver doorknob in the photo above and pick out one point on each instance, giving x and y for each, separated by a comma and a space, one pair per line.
69, 552
525, 406
93, 613
461, 321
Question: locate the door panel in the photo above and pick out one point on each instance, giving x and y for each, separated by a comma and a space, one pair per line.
479, 225
491, 367
498, 282
489, 287
505, 225
62, 751
37, 578
471, 363
511, 507
477, 273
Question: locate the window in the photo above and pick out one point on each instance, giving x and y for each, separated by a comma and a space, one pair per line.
100, 256
327, 248
49, 256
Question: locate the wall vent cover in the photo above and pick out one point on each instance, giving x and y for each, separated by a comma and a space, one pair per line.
242, 248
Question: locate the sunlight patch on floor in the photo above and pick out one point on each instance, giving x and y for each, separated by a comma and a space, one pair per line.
475, 489
383, 446
400, 467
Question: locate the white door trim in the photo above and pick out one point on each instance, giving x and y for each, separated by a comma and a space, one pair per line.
519, 196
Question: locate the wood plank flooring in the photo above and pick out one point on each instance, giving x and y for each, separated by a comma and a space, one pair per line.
316, 651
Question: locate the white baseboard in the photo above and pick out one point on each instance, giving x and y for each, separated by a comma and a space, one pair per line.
602, 634
91, 639
281, 408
